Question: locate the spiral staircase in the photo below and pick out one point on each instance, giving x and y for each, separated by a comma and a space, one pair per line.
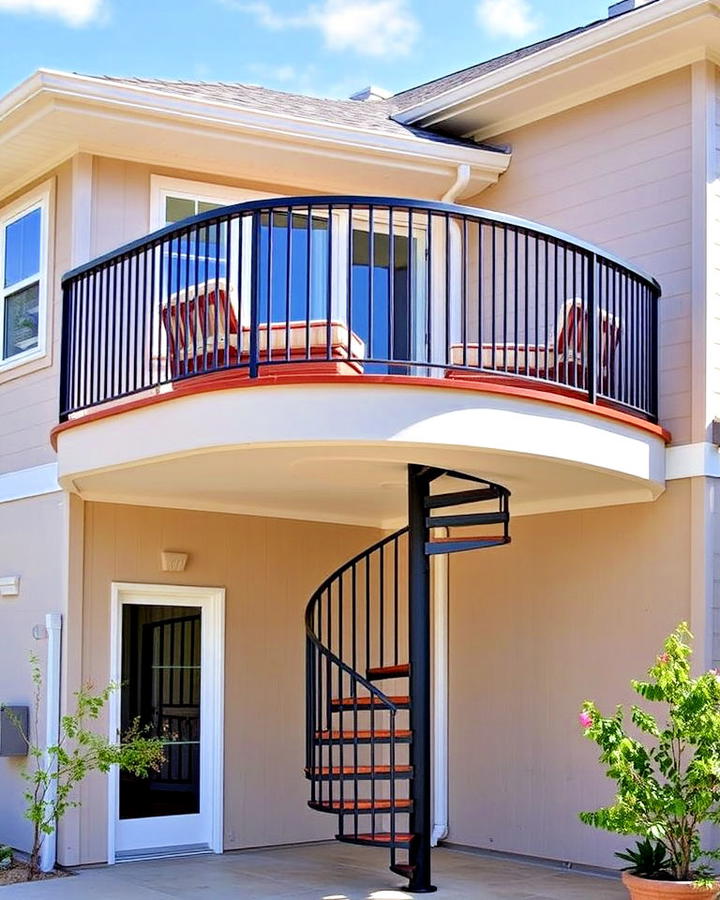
368, 670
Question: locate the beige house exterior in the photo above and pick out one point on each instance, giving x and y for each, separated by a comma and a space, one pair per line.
608, 134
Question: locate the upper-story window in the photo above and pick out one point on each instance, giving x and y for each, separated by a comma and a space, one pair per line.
174, 199
23, 280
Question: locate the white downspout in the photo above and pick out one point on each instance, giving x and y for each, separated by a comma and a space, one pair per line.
53, 625
440, 595
462, 179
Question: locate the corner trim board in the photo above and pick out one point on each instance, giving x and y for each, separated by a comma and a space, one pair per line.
700, 460
32, 482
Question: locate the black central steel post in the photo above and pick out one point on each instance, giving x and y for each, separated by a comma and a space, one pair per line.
419, 478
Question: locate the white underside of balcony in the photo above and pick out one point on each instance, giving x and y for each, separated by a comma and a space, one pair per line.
338, 452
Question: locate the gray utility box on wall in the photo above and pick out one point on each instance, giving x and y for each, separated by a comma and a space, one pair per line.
13, 725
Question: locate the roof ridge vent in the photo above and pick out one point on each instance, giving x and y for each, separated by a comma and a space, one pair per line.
371, 93
626, 6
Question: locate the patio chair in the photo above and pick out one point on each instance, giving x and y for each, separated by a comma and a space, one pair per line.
202, 328
565, 361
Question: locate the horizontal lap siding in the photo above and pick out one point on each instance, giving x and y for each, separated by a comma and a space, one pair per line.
269, 568
566, 613
29, 400
617, 172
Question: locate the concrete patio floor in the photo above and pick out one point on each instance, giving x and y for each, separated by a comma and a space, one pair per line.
316, 872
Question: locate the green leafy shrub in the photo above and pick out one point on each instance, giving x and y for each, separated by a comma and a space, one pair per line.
667, 789
6, 856
78, 752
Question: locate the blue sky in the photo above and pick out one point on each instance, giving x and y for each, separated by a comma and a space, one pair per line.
324, 47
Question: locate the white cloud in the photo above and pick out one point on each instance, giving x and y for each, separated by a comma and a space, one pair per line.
507, 18
368, 27
73, 12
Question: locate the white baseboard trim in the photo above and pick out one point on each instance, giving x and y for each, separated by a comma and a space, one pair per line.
29, 483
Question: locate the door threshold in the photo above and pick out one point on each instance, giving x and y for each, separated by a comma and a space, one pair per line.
162, 852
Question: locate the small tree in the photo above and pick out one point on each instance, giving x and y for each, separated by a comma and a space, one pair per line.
79, 751
667, 790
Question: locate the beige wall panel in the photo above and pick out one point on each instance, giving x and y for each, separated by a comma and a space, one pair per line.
617, 172
121, 198
32, 546
269, 568
574, 608
28, 399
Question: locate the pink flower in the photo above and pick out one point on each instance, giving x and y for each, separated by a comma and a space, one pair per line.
585, 719
664, 658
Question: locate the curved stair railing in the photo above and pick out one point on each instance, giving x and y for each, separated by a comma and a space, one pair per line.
367, 748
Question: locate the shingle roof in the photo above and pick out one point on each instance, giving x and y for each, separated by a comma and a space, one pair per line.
370, 115
415, 95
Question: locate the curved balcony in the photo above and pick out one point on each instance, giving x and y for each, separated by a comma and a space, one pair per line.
290, 358
354, 287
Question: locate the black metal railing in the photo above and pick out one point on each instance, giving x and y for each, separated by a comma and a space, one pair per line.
357, 750
359, 285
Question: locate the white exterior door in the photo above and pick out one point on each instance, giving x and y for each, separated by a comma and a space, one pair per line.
167, 654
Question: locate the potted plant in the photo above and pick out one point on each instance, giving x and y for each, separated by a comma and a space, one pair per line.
668, 776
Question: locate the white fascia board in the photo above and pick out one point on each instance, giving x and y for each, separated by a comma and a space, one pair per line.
441, 106
32, 482
147, 101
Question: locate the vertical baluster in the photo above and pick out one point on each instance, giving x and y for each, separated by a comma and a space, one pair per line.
463, 291
396, 603
242, 299
448, 287
493, 305
526, 314
516, 298
269, 305
330, 265
381, 622
549, 366
391, 287
308, 281
218, 301
138, 323
288, 281
356, 754
85, 340
371, 282
410, 305
227, 303
341, 694
505, 296
428, 343
481, 291
349, 281
595, 340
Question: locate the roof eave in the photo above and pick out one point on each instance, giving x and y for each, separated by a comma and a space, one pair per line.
148, 101
441, 107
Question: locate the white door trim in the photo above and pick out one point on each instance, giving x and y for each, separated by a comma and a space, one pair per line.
212, 601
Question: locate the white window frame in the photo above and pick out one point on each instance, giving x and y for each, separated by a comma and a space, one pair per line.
37, 199
163, 186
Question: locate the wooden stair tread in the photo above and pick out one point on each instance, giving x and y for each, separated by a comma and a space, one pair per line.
367, 702
379, 734
365, 805
379, 839
361, 770
398, 671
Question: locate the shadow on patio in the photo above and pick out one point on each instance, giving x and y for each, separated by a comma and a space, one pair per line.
317, 872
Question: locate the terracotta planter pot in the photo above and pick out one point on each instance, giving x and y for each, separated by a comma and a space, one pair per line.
647, 889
